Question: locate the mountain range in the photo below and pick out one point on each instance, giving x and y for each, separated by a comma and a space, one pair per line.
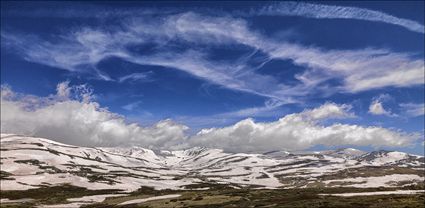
30, 163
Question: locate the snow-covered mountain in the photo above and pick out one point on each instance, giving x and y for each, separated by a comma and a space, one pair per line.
28, 162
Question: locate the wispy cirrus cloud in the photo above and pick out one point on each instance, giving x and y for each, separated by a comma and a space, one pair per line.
146, 76
413, 109
300, 9
322, 11
270, 108
132, 106
356, 70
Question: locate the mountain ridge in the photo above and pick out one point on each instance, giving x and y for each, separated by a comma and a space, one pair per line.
27, 158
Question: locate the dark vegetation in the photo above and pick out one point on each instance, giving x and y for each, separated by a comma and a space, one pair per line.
224, 196
52, 194
5, 175
228, 197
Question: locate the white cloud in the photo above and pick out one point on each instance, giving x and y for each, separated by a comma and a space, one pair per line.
135, 77
6, 91
377, 108
132, 106
268, 109
321, 11
81, 121
306, 10
327, 111
358, 70
63, 90
271, 108
413, 109
299, 131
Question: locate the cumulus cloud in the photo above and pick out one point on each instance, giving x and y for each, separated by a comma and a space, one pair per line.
300, 131
413, 109
78, 120
63, 90
71, 116
327, 111
321, 11
377, 108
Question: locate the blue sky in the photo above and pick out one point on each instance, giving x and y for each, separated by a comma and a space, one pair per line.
212, 65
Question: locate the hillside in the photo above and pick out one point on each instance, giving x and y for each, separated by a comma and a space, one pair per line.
33, 163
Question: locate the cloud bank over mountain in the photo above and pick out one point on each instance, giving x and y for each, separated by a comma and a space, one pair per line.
72, 116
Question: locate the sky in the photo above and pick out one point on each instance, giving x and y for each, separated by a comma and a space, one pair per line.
240, 76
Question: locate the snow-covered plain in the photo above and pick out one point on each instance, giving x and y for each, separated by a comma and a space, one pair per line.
6, 200
30, 162
380, 181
